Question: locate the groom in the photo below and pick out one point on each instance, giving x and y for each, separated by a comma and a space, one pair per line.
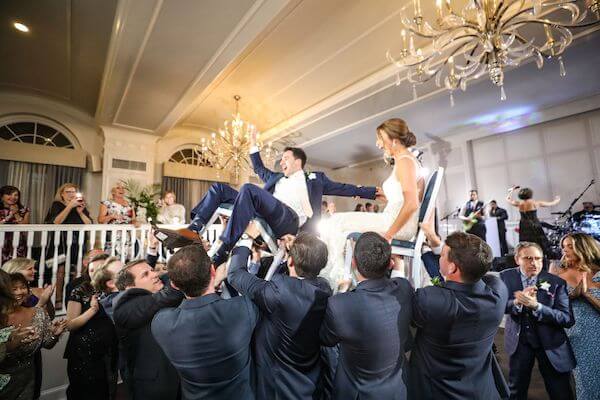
288, 201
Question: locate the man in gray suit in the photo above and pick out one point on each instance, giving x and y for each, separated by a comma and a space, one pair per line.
206, 338
371, 326
286, 340
457, 322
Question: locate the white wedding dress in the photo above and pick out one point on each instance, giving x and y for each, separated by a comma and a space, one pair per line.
336, 228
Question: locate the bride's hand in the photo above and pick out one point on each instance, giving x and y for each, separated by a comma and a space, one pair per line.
388, 236
379, 194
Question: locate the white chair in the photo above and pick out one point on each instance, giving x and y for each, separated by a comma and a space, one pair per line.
266, 233
408, 248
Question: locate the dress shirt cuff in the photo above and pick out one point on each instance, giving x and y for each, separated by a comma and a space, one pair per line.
244, 243
518, 307
152, 251
537, 312
397, 274
254, 149
438, 249
253, 267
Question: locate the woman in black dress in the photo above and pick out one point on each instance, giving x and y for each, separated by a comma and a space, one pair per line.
91, 351
530, 227
68, 208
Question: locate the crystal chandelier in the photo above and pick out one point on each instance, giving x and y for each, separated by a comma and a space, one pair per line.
229, 149
486, 37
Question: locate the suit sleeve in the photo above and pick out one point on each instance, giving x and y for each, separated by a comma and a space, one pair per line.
139, 311
262, 292
420, 316
259, 168
329, 336
343, 189
503, 216
511, 308
561, 313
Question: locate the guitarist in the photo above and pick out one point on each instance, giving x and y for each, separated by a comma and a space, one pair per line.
472, 213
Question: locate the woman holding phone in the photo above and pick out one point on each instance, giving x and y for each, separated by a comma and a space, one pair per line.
68, 207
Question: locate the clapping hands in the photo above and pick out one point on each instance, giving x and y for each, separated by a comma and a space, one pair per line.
527, 297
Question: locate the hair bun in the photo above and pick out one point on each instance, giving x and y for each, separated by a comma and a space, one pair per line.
410, 139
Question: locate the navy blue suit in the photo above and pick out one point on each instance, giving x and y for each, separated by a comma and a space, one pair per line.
286, 340
252, 201
527, 336
207, 339
452, 357
371, 325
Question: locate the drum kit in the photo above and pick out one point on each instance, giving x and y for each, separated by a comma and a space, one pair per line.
564, 223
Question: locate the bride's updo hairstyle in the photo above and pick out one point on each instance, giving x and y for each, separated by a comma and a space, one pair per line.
396, 129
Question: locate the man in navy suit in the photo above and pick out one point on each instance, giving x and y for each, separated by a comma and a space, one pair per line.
371, 326
456, 323
286, 340
206, 338
287, 201
538, 312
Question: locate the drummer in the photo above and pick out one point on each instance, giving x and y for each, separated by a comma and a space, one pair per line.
588, 210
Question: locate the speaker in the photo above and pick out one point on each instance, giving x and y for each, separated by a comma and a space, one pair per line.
95, 163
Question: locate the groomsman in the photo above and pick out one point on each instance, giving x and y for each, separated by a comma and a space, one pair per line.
539, 311
286, 339
206, 338
456, 324
371, 326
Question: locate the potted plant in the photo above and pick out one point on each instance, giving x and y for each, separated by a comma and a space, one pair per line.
144, 199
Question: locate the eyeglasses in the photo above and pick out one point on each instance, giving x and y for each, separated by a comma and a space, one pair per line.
70, 191
530, 259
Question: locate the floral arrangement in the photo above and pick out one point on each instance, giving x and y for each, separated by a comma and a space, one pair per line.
144, 199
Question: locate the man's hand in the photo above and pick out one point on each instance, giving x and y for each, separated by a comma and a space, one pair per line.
220, 274
288, 241
252, 230
526, 300
344, 285
253, 138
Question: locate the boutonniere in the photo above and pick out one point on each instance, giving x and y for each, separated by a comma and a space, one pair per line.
545, 286
436, 281
311, 175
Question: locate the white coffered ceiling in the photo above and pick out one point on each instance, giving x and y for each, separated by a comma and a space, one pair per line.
315, 69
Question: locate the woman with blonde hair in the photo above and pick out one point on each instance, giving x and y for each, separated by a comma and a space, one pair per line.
68, 207
402, 189
40, 297
580, 268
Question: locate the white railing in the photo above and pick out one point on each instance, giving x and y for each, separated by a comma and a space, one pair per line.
56, 243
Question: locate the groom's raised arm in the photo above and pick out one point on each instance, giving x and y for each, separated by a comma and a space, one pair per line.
344, 189
259, 168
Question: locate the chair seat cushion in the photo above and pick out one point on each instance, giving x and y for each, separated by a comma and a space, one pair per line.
407, 244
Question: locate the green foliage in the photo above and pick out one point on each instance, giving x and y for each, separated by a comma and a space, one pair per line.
143, 196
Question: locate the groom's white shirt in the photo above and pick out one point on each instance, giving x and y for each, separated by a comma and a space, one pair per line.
292, 192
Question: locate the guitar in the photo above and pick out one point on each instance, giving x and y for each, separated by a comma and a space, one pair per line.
472, 218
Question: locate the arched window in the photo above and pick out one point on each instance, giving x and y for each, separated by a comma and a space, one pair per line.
34, 132
190, 156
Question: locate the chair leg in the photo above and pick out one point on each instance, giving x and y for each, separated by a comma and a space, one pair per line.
416, 271
277, 258
348, 259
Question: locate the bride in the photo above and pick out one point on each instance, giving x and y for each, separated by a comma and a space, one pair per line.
402, 189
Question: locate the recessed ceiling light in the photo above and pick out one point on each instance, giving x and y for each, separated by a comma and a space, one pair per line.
21, 27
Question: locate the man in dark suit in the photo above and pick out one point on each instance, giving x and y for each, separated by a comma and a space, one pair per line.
472, 212
539, 311
150, 375
206, 338
289, 200
456, 324
286, 340
501, 216
371, 325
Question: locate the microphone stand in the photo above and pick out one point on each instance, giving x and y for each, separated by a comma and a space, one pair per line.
448, 216
568, 210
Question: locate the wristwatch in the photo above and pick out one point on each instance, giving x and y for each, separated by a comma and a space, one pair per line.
245, 236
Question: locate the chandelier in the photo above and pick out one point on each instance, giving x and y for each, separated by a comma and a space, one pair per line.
229, 149
486, 37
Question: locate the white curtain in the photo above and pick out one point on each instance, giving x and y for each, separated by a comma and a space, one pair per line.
38, 183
